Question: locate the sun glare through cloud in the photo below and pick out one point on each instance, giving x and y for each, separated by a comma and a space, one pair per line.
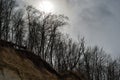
46, 6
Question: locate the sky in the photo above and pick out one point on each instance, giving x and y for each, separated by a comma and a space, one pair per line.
97, 20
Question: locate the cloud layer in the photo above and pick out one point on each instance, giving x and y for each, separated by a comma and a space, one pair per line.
97, 20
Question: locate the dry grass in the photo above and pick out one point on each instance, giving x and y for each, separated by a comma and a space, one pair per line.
26, 69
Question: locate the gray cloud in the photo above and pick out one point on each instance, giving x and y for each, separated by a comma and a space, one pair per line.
97, 20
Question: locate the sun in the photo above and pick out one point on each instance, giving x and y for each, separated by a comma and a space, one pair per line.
46, 6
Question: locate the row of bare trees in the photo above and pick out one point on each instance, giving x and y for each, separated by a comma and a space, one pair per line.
100, 66
39, 32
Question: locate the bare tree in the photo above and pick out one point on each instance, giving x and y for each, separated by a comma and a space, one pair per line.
17, 30
7, 8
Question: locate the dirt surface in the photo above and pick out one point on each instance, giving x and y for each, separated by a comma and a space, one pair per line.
20, 64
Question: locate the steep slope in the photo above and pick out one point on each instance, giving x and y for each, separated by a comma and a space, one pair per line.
16, 63
16, 67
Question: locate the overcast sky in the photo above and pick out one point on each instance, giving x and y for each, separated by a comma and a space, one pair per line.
97, 20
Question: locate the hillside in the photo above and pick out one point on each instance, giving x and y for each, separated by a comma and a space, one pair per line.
20, 64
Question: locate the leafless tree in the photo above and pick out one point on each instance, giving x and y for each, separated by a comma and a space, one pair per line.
6, 9
17, 29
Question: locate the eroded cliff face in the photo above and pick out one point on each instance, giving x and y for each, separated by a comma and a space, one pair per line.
16, 64
8, 74
14, 67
